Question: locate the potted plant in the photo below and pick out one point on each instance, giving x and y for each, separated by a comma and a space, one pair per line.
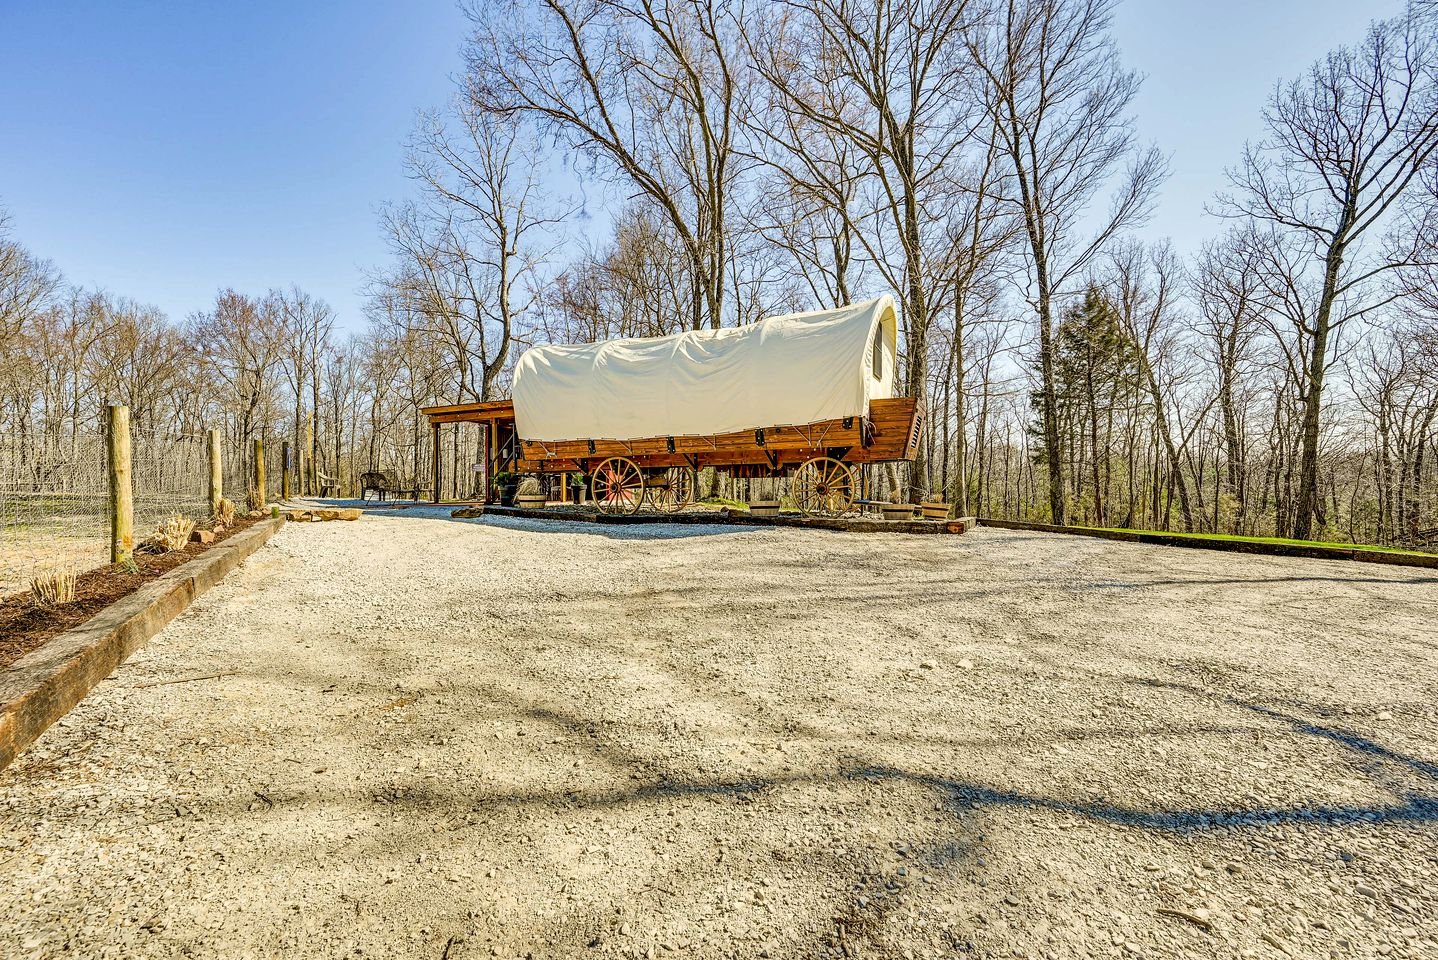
505, 483
934, 510
898, 511
577, 483
763, 508
530, 494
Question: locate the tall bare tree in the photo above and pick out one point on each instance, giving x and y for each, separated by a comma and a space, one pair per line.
27, 284
877, 80
650, 91
1230, 294
1345, 143
1060, 106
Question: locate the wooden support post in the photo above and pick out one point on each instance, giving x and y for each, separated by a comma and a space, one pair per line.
435, 474
261, 495
217, 473
285, 472
307, 472
122, 493
488, 462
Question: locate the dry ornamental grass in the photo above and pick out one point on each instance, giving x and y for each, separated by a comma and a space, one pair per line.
174, 533
54, 586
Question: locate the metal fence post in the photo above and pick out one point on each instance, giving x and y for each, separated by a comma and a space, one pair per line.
217, 475
122, 493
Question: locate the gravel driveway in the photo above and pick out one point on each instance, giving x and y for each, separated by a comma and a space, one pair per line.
452, 739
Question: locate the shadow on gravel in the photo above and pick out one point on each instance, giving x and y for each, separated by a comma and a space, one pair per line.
961, 796
610, 531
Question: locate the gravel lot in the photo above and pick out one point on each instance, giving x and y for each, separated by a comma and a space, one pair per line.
450, 739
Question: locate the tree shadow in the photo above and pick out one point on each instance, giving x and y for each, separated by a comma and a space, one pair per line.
658, 530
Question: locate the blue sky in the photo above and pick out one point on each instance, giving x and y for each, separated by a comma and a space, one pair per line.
163, 151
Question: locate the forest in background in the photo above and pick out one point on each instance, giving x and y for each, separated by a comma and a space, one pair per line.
978, 159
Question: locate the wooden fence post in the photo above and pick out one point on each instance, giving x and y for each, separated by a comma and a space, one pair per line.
285, 471
122, 493
217, 473
260, 493
307, 472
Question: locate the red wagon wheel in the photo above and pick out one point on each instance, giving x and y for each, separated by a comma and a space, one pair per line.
823, 486
676, 491
618, 486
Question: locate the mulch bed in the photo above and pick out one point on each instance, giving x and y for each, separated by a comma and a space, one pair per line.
24, 626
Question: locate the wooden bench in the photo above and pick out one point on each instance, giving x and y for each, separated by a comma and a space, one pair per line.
329, 486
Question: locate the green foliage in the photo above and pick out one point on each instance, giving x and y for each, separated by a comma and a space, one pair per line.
1096, 386
723, 502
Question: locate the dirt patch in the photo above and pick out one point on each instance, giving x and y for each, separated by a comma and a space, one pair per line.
411, 736
24, 626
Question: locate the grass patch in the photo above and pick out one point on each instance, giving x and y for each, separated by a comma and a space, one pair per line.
723, 502
1231, 538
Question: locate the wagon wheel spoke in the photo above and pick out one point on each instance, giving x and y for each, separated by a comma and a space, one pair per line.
676, 491
823, 486
616, 481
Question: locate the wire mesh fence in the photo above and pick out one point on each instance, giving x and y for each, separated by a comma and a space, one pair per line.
237, 469
54, 506
170, 475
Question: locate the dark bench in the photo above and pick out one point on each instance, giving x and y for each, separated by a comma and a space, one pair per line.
383, 482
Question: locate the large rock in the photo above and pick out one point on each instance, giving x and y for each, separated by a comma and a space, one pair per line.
338, 513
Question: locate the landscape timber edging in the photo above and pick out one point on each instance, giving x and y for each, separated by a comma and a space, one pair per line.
1300, 551
43, 686
727, 516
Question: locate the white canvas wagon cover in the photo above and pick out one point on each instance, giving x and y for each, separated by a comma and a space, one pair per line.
787, 370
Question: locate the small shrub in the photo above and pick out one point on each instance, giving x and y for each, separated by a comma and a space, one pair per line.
255, 499
174, 533
224, 514
52, 587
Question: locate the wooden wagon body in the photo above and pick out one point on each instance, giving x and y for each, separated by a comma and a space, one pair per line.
889, 433
818, 455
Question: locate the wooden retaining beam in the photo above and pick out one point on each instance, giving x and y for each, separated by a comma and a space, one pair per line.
42, 686
1303, 551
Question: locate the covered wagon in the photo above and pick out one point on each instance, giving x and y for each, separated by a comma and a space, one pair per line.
806, 396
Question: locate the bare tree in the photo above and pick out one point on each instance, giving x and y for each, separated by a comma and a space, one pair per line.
874, 84
650, 90
27, 284
1345, 143
1230, 294
1059, 102
307, 325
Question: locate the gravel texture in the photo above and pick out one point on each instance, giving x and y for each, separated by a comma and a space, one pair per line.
452, 739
